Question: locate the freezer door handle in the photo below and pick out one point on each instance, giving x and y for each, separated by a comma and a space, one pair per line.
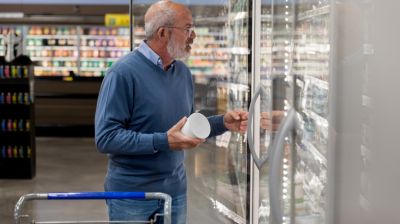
277, 153
259, 161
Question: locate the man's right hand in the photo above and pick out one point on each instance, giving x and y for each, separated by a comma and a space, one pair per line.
272, 123
179, 141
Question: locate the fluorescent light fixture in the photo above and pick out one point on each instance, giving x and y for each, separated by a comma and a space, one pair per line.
12, 15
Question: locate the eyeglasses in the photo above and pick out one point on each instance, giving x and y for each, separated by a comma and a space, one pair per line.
188, 30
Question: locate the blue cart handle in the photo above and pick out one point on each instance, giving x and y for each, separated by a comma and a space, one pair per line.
95, 195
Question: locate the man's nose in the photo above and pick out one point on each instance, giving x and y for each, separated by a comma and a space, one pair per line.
192, 35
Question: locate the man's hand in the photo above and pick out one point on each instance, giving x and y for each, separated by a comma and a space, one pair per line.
273, 122
236, 121
179, 141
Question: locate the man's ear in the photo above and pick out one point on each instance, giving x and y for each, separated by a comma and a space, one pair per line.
162, 33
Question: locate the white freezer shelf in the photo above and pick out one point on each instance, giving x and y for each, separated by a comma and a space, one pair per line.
309, 14
317, 154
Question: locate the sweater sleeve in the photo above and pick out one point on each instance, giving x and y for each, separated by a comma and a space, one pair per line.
217, 125
113, 111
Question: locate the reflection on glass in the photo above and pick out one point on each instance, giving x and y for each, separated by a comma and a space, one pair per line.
217, 170
294, 71
311, 70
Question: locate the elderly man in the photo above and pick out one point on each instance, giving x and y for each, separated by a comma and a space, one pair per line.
143, 104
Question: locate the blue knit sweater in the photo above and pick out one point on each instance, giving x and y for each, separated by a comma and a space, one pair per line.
138, 102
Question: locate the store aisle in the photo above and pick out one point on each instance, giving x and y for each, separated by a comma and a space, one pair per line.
63, 164
73, 164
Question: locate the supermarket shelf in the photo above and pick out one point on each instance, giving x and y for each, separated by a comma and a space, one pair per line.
86, 39
126, 48
238, 16
320, 120
52, 37
92, 69
98, 59
318, 82
52, 47
14, 81
211, 50
214, 34
103, 37
54, 58
56, 68
313, 13
308, 146
207, 74
240, 50
209, 58
237, 86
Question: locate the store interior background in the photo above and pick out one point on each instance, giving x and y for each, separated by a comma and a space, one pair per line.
345, 51
72, 48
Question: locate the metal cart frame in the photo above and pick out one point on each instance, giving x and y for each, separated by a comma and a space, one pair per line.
94, 196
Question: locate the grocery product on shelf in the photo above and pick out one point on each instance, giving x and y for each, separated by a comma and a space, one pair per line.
54, 49
17, 138
90, 50
100, 47
76, 50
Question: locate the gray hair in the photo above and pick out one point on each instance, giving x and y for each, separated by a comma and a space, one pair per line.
164, 17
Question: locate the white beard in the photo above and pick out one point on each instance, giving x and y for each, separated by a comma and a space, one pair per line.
175, 51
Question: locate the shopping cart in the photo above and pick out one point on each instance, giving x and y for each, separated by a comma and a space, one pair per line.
94, 196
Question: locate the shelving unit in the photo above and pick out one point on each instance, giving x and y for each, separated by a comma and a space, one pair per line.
17, 135
311, 67
100, 47
73, 50
88, 51
209, 54
54, 48
77, 56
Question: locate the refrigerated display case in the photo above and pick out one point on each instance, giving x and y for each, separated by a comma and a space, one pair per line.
319, 63
218, 170
219, 61
311, 63
296, 54
326, 60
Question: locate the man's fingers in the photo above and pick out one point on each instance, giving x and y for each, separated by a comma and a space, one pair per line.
180, 123
235, 115
243, 115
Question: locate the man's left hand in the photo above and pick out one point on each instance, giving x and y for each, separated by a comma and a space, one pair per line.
236, 121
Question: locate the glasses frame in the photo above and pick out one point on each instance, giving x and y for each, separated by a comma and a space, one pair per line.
188, 30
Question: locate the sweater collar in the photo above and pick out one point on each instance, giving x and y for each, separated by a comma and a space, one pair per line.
152, 56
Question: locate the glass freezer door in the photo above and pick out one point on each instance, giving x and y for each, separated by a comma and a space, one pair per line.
290, 65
